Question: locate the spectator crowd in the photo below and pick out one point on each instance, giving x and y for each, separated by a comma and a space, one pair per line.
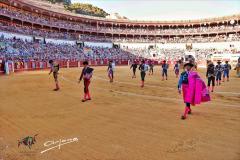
148, 34
17, 49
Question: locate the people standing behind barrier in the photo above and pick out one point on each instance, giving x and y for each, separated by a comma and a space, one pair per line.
41, 66
143, 69
134, 67
218, 72
6, 67
164, 70
3, 66
210, 76
237, 68
226, 69
54, 68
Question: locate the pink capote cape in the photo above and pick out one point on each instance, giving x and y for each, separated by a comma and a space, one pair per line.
196, 91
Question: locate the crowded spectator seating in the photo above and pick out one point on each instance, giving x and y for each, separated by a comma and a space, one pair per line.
16, 49
52, 27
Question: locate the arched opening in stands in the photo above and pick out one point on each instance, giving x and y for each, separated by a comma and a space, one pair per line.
137, 37
55, 29
63, 30
122, 36
101, 34
5, 18
108, 35
37, 26
28, 24
16, 21
71, 31
46, 28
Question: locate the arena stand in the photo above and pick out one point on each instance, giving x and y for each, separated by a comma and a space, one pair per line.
36, 20
34, 34
21, 53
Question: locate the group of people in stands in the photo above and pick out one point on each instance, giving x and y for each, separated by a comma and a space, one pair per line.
16, 49
78, 26
54, 22
174, 54
28, 30
22, 51
181, 30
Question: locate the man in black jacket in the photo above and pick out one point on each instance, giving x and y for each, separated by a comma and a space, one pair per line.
134, 68
211, 75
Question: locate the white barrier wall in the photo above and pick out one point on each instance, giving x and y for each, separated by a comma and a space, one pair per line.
217, 45
135, 45
30, 38
60, 41
9, 35
98, 44
171, 45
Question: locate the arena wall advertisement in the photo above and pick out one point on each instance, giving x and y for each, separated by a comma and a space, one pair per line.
232, 58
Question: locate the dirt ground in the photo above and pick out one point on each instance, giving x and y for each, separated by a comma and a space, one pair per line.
121, 122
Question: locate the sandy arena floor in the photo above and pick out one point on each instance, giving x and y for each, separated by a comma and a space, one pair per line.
122, 122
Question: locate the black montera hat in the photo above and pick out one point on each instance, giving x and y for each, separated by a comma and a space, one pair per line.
188, 64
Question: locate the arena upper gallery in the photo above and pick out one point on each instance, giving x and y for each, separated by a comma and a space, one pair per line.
54, 22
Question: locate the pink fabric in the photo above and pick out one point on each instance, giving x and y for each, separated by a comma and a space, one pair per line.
196, 91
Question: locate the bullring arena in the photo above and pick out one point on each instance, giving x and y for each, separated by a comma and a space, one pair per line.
46, 112
123, 121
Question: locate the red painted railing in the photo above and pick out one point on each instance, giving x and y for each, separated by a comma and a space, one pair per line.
17, 66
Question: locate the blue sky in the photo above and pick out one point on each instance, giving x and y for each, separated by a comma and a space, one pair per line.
167, 9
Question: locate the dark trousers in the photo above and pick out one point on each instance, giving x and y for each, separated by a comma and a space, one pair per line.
188, 105
164, 72
134, 72
211, 79
226, 74
143, 74
219, 76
